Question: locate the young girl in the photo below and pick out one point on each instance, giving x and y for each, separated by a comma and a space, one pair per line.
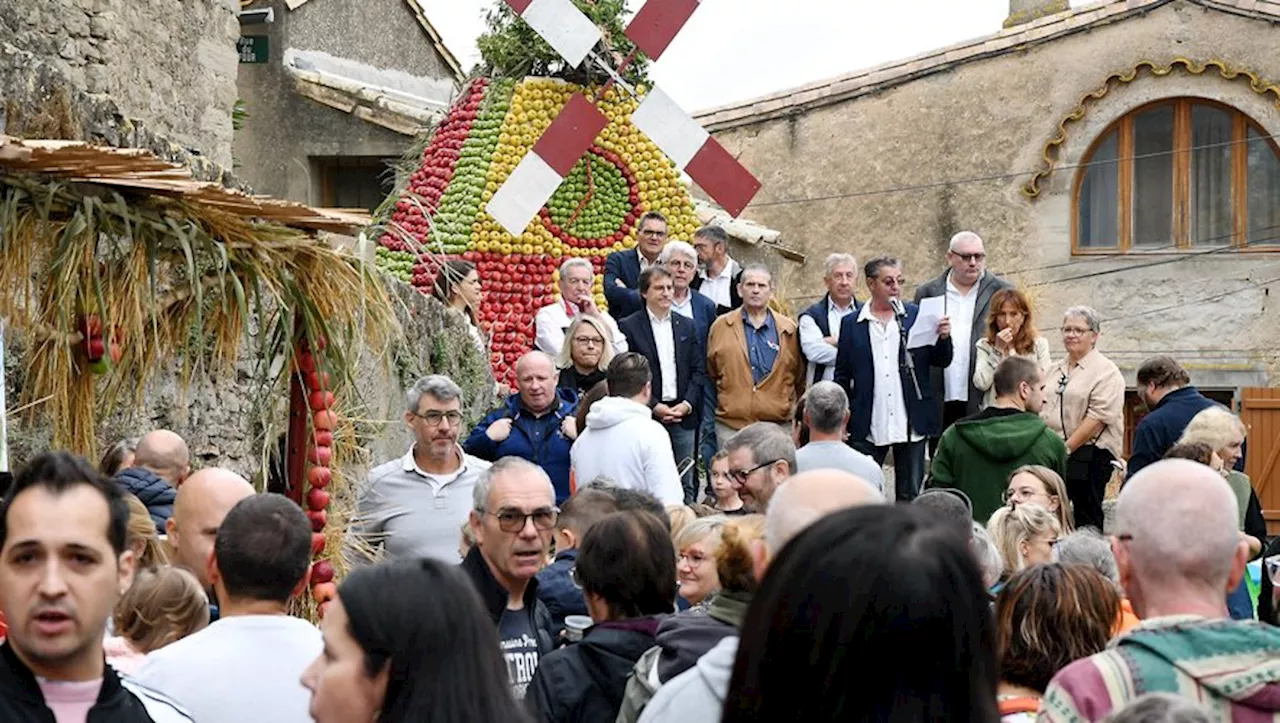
726, 497
163, 606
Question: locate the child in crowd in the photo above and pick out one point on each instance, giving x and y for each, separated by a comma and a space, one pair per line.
555, 586
726, 496
164, 605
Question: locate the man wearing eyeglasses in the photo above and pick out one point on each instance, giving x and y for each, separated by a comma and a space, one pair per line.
622, 268
415, 506
513, 518
536, 424
967, 288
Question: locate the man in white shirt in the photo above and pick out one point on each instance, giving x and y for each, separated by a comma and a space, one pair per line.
552, 321
820, 323
888, 412
247, 666
622, 441
720, 274
966, 288
414, 506
677, 359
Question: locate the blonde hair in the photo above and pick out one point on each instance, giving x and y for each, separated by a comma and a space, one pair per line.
1215, 427
734, 563
142, 530
163, 606
680, 517
1054, 485
702, 529
1011, 526
564, 359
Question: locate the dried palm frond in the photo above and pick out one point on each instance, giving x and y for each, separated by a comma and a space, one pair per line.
178, 284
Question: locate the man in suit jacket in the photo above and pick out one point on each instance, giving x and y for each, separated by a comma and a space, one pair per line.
820, 323
720, 274
681, 260
885, 410
622, 268
967, 288
670, 342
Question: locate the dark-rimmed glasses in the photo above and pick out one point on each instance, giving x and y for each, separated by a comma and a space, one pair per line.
741, 475
514, 520
434, 418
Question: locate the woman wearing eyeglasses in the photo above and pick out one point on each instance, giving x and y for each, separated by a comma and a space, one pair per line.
1085, 406
1025, 536
1036, 484
587, 351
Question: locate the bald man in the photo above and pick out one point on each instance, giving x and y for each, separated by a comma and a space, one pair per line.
698, 694
1179, 552
537, 424
160, 464
204, 500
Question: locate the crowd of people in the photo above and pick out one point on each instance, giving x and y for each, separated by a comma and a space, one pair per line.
686, 512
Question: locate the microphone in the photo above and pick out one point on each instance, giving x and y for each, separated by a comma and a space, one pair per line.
899, 310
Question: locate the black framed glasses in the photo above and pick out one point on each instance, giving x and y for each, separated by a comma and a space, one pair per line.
434, 418
967, 258
514, 520
741, 475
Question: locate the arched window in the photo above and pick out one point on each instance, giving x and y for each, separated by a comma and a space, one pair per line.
1182, 174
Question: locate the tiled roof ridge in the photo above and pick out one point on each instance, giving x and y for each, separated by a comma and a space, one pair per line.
860, 82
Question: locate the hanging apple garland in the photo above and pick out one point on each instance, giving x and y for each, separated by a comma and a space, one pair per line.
440, 213
319, 475
101, 353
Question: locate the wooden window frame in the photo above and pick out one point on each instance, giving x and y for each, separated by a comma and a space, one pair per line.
1182, 144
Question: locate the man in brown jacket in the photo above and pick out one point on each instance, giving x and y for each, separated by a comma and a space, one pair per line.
754, 359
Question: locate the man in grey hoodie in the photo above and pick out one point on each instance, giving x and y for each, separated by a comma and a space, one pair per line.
698, 694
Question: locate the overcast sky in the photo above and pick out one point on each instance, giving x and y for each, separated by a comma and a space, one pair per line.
738, 49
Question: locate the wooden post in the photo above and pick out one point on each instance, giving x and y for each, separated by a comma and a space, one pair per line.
296, 443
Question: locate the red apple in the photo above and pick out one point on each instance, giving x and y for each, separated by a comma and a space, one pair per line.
318, 520
321, 572
317, 499
318, 541
324, 592
319, 477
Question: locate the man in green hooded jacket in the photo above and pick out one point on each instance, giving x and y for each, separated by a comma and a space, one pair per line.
977, 453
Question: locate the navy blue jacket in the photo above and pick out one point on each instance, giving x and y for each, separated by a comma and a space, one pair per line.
704, 315
153, 490
537, 439
557, 591
691, 359
854, 364
623, 266
1161, 428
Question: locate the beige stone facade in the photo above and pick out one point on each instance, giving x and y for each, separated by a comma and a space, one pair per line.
986, 110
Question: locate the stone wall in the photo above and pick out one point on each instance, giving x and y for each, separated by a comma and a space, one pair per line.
283, 129
170, 63
229, 420
991, 118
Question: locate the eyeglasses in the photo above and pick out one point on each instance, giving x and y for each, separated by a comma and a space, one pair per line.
651, 233
515, 520
433, 419
1024, 493
970, 257
892, 281
741, 475
1074, 331
588, 340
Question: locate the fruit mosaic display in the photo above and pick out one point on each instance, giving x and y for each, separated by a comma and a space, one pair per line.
440, 213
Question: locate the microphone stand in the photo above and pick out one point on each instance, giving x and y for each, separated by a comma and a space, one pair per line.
907, 362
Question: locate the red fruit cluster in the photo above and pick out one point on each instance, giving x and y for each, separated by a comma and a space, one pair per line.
319, 476
440, 159
96, 347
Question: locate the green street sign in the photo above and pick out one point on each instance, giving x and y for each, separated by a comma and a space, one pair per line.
252, 49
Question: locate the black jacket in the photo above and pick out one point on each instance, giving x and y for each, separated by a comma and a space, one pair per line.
495, 598
691, 359
153, 490
735, 299
586, 681
21, 700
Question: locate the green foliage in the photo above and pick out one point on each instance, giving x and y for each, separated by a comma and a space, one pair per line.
511, 49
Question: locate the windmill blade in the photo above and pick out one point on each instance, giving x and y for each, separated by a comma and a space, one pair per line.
559, 22
657, 23
695, 152
545, 167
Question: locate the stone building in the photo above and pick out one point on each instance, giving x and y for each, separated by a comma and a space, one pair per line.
1121, 155
333, 90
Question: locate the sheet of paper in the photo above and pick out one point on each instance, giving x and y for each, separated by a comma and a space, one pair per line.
925, 331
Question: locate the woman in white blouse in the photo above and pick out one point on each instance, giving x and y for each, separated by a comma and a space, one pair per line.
1010, 332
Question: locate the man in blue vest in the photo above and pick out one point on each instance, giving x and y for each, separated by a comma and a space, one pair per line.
891, 405
820, 323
